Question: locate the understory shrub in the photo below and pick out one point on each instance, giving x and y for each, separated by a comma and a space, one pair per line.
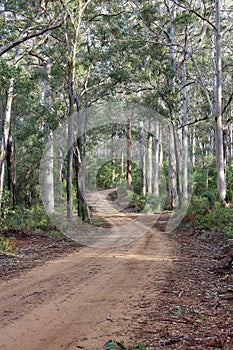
7, 245
25, 219
111, 345
207, 213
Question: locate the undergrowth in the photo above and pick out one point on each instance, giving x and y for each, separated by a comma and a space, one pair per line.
7, 245
25, 219
111, 345
206, 213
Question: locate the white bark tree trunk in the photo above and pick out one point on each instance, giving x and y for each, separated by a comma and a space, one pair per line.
142, 158
49, 162
5, 133
156, 150
194, 146
149, 164
2, 183
172, 183
178, 166
220, 163
185, 138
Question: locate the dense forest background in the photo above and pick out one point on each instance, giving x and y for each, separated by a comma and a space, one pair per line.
62, 60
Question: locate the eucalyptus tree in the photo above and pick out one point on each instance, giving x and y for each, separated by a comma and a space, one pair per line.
22, 30
210, 14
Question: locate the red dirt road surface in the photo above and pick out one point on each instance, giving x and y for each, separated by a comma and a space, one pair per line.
84, 299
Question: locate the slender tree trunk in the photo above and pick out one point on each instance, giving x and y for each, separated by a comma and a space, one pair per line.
87, 210
231, 143
70, 151
49, 162
161, 152
156, 160
48, 175
9, 162
149, 164
129, 155
172, 166
14, 176
2, 175
11, 171
82, 204
194, 146
185, 138
225, 154
71, 93
178, 166
142, 159
113, 153
172, 169
220, 163
122, 162
5, 133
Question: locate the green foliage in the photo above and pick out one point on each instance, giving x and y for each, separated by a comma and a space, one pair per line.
137, 203
25, 219
204, 209
7, 245
109, 175
200, 179
111, 345
5, 74
212, 216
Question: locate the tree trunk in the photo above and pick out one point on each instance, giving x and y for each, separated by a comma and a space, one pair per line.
178, 167
9, 162
231, 143
172, 166
172, 169
11, 171
220, 163
142, 159
70, 150
5, 133
185, 138
122, 162
49, 161
129, 155
80, 150
194, 146
156, 160
149, 164
48, 175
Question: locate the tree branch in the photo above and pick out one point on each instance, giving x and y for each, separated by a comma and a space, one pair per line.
29, 36
194, 122
228, 103
197, 14
106, 15
203, 84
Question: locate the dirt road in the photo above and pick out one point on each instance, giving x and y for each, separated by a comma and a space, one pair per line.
172, 290
86, 298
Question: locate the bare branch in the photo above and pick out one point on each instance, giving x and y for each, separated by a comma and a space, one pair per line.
30, 51
203, 84
197, 14
29, 36
228, 103
193, 122
110, 15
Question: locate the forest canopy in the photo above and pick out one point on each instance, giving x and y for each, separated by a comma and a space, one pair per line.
62, 61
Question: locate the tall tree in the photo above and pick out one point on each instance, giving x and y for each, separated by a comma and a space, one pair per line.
221, 171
